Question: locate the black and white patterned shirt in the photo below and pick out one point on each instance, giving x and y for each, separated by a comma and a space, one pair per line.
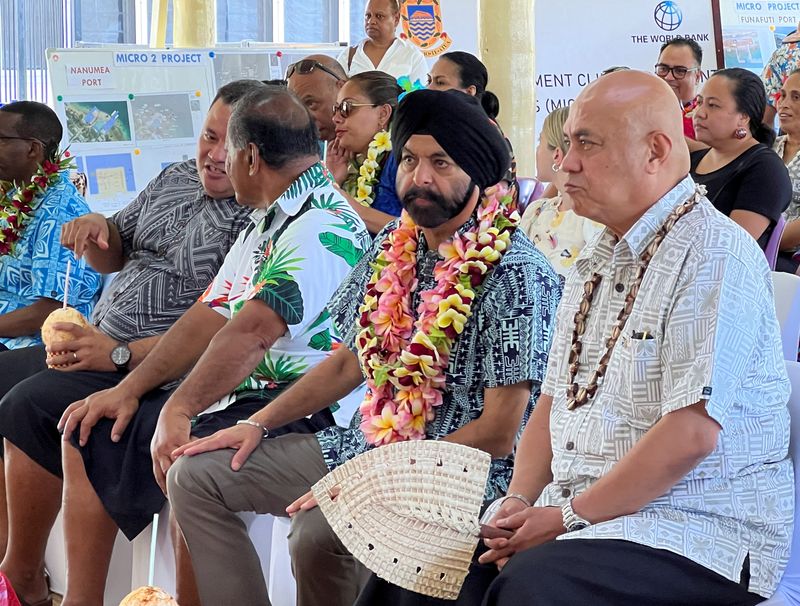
505, 341
174, 238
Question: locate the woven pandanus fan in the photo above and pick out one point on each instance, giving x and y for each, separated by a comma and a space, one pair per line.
409, 512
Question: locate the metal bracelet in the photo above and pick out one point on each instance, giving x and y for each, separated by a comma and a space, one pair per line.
264, 430
495, 506
519, 497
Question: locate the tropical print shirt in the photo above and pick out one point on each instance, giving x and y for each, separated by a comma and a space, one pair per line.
505, 341
785, 59
38, 267
292, 256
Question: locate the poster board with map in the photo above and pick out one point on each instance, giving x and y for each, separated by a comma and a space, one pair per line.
751, 31
129, 111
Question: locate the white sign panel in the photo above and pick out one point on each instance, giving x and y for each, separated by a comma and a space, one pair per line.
577, 40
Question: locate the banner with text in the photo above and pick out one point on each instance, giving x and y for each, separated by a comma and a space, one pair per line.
577, 40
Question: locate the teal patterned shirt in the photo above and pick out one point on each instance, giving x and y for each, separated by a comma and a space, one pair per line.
505, 341
292, 256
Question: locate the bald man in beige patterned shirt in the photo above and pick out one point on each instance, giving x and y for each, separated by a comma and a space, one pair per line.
659, 444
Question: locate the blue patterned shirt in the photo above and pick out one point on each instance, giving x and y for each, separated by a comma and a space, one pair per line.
505, 341
703, 327
38, 266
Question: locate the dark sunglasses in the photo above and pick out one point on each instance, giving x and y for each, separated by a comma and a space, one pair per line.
307, 66
345, 108
678, 72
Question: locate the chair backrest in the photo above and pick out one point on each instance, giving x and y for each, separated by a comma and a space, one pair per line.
530, 189
789, 587
773, 244
787, 308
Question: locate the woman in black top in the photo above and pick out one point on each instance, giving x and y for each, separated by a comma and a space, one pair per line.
744, 178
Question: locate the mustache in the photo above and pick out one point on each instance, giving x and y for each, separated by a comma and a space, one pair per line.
419, 192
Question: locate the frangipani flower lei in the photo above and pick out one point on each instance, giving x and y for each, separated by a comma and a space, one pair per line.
404, 359
362, 183
16, 210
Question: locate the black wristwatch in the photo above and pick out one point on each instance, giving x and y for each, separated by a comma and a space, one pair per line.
121, 357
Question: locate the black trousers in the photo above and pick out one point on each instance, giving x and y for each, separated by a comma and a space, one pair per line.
607, 572
19, 364
577, 572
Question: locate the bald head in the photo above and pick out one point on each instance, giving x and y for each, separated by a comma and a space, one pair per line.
277, 123
626, 147
329, 63
317, 89
640, 103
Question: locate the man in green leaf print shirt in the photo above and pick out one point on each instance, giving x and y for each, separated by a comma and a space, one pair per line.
261, 324
485, 383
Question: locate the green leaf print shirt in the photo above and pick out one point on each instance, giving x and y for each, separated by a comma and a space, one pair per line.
293, 256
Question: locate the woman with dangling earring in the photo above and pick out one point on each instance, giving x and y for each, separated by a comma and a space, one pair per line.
744, 178
550, 223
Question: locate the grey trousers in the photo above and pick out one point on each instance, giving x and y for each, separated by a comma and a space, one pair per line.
205, 494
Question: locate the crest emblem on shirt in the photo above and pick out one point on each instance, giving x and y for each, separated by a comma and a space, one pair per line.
422, 24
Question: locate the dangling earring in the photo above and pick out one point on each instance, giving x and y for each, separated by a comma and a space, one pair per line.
556, 167
740, 133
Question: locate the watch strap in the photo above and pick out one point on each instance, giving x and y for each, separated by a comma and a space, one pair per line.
571, 520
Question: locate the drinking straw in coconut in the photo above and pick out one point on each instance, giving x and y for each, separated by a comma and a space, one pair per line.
153, 539
66, 284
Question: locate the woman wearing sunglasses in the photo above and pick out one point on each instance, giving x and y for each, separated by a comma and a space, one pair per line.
360, 157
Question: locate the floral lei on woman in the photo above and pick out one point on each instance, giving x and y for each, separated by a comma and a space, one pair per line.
405, 360
362, 180
17, 210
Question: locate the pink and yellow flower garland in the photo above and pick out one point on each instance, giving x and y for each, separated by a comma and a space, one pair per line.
404, 360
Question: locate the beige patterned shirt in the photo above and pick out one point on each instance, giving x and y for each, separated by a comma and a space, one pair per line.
706, 306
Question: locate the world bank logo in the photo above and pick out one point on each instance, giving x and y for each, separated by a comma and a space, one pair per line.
668, 16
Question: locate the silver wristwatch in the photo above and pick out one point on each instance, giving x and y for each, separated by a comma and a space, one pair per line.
572, 521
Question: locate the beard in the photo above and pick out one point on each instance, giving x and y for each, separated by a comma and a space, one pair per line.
440, 210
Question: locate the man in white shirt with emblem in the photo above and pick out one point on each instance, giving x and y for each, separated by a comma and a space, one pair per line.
381, 50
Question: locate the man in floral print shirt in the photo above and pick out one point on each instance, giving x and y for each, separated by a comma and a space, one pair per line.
450, 155
260, 324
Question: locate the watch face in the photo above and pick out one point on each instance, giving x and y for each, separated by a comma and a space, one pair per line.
120, 355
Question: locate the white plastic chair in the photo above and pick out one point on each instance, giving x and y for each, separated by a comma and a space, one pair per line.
282, 587
788, 593
787, 308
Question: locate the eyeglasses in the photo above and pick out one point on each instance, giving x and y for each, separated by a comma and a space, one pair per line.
7, 138
345, 108
307, 66
678, 72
